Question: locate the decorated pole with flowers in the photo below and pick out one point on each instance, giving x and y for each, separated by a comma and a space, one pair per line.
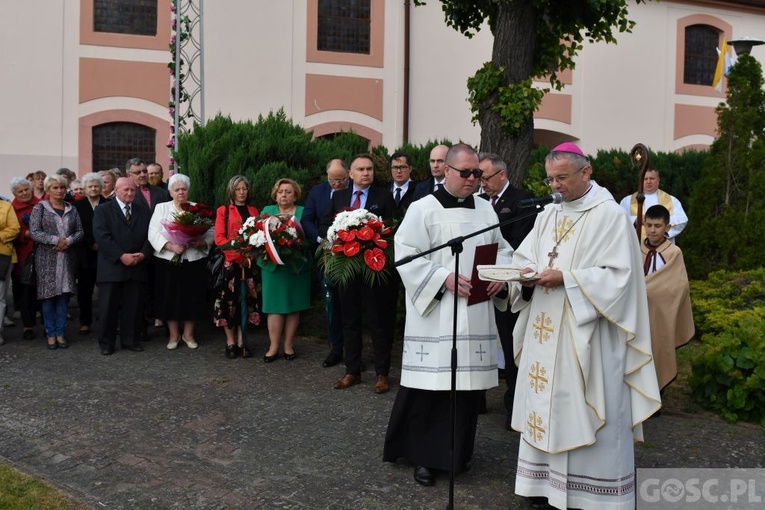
358, 244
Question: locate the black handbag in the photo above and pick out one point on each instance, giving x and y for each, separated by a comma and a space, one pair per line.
5, 265
215, 261
27, 274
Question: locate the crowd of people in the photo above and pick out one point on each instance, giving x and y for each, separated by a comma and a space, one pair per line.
574, 331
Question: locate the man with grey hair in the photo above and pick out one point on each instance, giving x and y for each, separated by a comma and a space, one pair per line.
504, 199
586, 377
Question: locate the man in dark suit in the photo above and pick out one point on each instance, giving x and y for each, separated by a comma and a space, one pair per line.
315, 205
148, 196
402, 187
437, 172
120, 229
504, 197
356, 297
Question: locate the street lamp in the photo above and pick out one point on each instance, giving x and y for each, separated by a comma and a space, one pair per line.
744, 45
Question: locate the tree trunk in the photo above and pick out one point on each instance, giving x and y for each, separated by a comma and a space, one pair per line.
515, 46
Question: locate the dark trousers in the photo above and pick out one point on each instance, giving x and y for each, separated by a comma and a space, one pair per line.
25, 299
86, 282
505, 323
119, 306
376, 302
334, 314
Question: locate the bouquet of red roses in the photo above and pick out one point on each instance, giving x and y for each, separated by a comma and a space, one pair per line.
278, 239
358, 244
192, 222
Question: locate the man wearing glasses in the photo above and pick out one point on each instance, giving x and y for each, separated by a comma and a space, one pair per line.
504, 198
146, 194
317, 202
437, 172
586, 377
419, 426
402, 188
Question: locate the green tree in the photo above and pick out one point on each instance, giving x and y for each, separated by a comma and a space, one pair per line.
533, 39
727, 208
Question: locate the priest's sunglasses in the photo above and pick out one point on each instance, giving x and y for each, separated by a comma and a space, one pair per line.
476, 172
561, 178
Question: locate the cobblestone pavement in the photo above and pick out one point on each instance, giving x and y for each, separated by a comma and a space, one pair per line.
192, 430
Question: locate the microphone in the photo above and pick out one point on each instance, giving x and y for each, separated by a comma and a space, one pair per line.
555, 198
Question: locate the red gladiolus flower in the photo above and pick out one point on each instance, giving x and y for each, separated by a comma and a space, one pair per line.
351, 249
365, 233
375, 259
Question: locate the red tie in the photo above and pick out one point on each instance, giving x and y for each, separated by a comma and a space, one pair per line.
357, 201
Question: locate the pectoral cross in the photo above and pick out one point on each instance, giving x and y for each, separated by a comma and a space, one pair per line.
553, 255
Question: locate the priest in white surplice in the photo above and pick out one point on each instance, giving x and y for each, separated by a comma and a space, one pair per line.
586, 378
419, 425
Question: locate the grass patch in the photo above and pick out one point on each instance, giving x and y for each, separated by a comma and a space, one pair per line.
21, 492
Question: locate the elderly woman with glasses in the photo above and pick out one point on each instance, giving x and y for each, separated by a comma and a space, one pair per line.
56, 227
87, 251
180, 290
24, 295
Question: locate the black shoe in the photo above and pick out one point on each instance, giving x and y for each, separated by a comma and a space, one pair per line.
134, 348
53, 346
290, 357
62, 345
424, 476
232, 351
269, 359
107, 352
332, 360
537, 503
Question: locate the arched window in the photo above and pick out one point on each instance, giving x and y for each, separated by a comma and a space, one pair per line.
701, 42
134, 17
116, 142
344, 26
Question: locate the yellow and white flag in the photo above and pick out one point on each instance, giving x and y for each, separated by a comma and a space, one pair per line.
721, 66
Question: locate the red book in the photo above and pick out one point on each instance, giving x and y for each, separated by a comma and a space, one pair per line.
484, 255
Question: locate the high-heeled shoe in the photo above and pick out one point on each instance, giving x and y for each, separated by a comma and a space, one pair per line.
269, 359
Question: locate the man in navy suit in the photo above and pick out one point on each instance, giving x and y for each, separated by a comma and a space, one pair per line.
121, 229
437, 172
357, 297
504, 197
402, 187
315, 205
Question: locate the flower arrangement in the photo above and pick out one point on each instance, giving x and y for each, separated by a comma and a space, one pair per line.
278, 239
358, 244
191, 222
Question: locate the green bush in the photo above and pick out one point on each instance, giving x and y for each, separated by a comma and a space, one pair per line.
728, 369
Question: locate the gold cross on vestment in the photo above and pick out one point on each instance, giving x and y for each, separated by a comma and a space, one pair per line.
535, 427
542, 327
562, 229
553, 255
537, 375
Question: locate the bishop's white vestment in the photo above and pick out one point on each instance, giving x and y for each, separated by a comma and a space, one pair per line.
586, 379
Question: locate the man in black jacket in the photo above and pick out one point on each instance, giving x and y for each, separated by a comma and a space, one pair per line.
357, 297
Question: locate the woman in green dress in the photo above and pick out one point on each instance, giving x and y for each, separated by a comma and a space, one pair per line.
286, 289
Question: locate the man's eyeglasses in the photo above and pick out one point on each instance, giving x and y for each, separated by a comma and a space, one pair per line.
486, 179
476, 172
399, 168
561, 178
337, 181
139, 172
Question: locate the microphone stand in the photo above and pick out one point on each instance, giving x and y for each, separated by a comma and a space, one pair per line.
456, 247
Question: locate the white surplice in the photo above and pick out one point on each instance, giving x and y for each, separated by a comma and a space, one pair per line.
586, 379
426, 361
